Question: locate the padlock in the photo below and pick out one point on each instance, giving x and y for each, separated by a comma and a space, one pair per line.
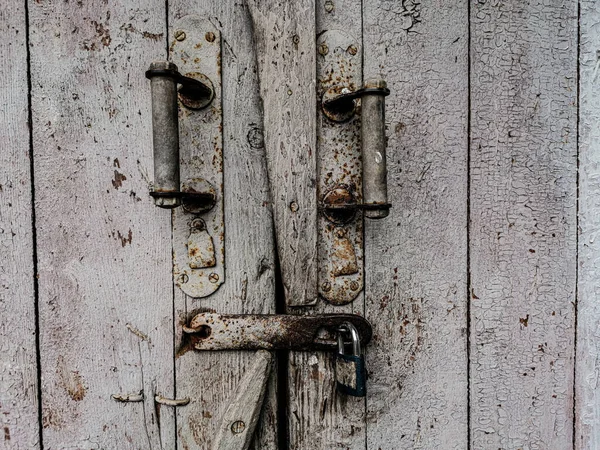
350, 370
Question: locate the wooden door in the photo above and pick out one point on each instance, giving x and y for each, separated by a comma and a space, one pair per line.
480, 285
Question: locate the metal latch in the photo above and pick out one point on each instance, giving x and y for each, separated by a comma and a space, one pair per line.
212, 331
187, 123
352, 169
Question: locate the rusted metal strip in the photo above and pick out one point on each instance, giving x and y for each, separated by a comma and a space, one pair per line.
211, 331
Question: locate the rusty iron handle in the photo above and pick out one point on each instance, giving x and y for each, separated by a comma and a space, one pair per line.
164, 79
340, 107
212, 331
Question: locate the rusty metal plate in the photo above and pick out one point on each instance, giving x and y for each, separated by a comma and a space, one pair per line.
340, 240
212, 331
199, 234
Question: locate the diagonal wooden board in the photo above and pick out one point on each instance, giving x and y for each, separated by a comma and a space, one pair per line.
284, 36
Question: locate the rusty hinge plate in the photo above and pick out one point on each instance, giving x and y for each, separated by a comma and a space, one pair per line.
199, 228
212, 331
340, 239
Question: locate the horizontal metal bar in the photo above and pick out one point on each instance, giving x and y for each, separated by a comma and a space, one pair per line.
211, 331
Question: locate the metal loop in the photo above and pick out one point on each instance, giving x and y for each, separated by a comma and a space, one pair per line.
171, 401
348, 328
129, 398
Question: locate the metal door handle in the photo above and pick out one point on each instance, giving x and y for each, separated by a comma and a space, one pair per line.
340, 107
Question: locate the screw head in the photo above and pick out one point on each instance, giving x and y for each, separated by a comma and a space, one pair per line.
352, 50
329, 6
296, 39
213, 277
180, 35
354, 285
340, 233
237, 427
183, 278
209, 36
323, 49
294, 206
326, 286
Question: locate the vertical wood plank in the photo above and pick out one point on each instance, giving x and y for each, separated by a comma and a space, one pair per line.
19, 427
523, 222
284, 33
416, 266
587, 370
106, 302
318, 416
210, 379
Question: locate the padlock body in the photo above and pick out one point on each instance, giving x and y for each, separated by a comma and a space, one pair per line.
351, 375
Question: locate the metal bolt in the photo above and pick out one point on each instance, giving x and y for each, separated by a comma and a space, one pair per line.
326, 286
328, 6
237, 427
180, 35
294, 206
354, 285
323, 49
352, 50
289, 92
213, 277
210, 36
183, 278
296, 39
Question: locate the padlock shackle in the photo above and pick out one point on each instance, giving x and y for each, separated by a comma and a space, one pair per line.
349, 328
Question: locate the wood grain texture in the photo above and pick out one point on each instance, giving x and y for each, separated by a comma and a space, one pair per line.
523, 222
416, 266
587, 370
284, 36
210, 379
19, 428
104, 250
318, 416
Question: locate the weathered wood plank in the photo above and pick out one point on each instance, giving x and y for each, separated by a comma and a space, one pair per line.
523, 222
587, 370
416, 266
318, 416
284, 36
19, 427
104, 250
210, 379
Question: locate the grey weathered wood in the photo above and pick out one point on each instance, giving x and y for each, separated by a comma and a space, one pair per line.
416, 266
318, 416
104, 249
523, 223
210, 379
284, 36
19, 427
587, 401
243, 412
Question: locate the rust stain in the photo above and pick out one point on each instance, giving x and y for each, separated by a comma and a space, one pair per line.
124, 240
6, 434
524, 321
117, 182
71, 381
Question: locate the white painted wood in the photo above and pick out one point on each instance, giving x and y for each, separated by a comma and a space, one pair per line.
587, 370
243, 413
416, 265
284, 36
319, 417
19, 425
523, 223
104, 249
210, 379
